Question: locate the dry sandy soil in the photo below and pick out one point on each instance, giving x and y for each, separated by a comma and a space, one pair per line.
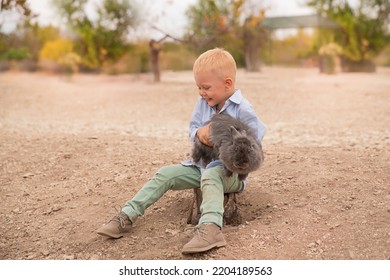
72, 151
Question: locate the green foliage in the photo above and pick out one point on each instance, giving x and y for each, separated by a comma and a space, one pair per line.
26, 43
208, 24
383, 59
34, 37
134, 60
331, 49
364, 29
102, 39
232, 25
291, 50
17, 54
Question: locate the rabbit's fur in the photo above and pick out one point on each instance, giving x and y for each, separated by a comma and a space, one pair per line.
235, 146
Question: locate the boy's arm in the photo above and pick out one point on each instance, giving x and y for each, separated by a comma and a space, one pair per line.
249, 117
203, 133
198, 127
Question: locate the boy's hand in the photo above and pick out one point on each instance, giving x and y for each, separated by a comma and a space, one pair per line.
204, 135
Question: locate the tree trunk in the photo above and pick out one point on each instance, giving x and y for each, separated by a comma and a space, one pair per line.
155, 49
231, 215
254, 37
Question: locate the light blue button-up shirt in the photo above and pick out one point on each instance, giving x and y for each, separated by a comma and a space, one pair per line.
236, 106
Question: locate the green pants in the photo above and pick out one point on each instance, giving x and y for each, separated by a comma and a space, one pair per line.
212, 182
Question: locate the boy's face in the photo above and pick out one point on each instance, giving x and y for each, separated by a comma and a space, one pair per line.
214, 89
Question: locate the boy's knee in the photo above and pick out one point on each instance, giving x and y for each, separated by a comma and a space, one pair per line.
213, 173
212, 176
164, 170
167, 171
216, 176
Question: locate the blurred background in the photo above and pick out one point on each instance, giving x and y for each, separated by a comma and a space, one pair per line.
133, 36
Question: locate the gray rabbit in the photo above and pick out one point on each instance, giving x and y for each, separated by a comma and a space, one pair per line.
235, 146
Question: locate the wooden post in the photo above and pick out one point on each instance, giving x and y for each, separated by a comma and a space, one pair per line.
155, 48
231, 215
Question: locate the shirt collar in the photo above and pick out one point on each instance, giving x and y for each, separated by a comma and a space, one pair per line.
236, 97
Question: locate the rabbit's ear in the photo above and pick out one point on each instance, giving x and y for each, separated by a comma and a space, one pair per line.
233, 131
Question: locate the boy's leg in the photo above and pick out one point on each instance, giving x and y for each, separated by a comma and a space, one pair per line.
174, 177
214, 184
209, 235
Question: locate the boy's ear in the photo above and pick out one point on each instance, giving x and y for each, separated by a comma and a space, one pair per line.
228, 82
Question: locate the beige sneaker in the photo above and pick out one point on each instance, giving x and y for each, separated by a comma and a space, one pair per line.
207, 236
115, 228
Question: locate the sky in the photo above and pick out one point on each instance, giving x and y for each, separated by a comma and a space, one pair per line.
168, 15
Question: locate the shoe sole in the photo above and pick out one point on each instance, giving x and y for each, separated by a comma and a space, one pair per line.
115, 236
204, 249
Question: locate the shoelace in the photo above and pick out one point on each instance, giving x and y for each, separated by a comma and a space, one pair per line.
200, 229
119, 218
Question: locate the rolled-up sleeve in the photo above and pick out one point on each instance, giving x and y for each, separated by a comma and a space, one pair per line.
248, 116
196, 120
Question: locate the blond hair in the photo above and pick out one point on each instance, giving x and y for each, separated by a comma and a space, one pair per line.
218, 61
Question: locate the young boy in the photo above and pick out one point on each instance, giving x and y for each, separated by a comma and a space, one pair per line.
215, 73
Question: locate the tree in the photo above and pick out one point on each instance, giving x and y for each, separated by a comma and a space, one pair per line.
101, 39
7, 8
16, 5
34, 37
11, 8
234, 25
24, 43
254, 37
154, 54
208, 24
246, 19
364, 29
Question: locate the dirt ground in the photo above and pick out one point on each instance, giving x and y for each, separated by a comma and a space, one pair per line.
73, 151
